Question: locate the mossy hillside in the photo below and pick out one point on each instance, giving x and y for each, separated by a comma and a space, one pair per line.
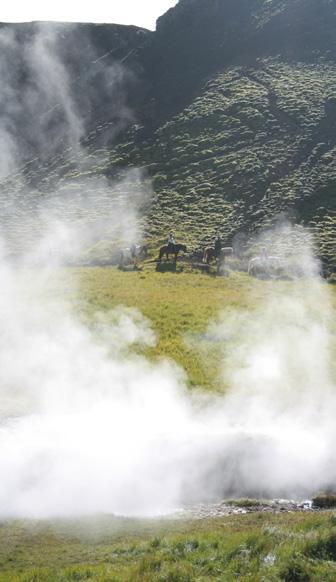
197, 38
257, 143
251, 139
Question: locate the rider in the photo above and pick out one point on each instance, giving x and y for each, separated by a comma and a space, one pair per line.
170, 241
218, 246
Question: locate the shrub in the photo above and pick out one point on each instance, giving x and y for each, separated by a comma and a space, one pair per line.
324, 501
322, 548
296, 570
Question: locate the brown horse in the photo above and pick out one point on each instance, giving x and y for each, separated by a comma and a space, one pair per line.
171, 250
210, 254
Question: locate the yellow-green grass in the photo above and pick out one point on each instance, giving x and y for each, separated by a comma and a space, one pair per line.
180, 306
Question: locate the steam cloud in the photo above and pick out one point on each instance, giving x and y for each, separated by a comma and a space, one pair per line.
87, 426
54, 90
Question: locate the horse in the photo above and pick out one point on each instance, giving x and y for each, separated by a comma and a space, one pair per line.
171, 250
263, 266
132, 254
197, 255
210, 254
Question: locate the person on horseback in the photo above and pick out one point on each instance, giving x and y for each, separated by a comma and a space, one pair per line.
171, 241
218, 246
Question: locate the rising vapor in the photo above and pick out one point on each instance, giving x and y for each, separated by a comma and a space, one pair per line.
87, 426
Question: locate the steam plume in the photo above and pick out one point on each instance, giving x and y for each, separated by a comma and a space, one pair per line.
89, 427
86, 425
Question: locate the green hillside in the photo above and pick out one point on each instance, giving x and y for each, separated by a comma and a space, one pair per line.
256, 142
234, 122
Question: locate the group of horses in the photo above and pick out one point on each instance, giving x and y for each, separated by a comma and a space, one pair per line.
260, 266
257, 266
207, 255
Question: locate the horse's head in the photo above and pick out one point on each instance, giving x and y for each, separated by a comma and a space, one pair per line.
184, 248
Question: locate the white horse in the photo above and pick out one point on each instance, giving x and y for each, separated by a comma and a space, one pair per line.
261, 266
226, 252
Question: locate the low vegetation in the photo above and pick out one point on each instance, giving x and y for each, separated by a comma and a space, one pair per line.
325, 501
283, 547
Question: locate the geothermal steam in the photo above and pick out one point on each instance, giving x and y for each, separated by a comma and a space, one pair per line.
88, 427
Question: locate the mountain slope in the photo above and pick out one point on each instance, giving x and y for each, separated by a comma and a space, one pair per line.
234, 119
257, 142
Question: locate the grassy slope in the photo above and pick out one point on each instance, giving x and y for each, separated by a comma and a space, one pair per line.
253, 136
255, 143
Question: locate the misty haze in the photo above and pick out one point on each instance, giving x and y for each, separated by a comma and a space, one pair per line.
167, 297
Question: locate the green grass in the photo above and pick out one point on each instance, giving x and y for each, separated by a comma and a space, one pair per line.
179, 307
249, 548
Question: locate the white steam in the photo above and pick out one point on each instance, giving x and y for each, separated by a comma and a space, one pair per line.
87, 426
60, 205
55, 90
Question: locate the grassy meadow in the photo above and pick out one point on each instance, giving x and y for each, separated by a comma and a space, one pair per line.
178, 306
293, 547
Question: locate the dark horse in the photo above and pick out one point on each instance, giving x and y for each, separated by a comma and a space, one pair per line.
171, 250
210, 254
